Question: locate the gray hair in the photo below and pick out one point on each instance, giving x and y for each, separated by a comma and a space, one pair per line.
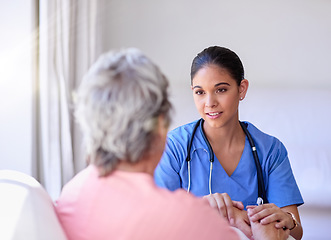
118, 105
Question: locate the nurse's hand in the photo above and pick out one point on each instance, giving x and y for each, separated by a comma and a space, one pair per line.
270, 213
268, 231
223, 203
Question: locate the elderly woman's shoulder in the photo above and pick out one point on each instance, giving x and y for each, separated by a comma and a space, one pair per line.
186, 202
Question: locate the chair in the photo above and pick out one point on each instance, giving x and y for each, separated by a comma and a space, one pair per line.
26, 209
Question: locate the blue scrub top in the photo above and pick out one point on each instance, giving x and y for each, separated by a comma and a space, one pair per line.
242, 185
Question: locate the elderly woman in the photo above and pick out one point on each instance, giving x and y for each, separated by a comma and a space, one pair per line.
123, 110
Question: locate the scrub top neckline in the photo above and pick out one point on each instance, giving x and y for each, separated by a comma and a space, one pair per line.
239, 163
217, 162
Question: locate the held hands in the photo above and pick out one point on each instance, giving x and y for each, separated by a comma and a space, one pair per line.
233, 211
269, 213
266, 221
223, 203
268, 231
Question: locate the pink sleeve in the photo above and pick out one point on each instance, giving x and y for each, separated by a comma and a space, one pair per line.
214, 226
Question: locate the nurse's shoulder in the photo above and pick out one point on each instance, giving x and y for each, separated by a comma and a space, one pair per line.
182, 133
260, 135
266, 143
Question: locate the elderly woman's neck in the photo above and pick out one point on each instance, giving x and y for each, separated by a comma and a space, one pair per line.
144, 166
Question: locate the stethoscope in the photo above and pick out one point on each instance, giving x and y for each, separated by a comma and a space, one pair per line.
262, 198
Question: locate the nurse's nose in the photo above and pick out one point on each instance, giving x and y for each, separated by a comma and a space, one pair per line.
210, 101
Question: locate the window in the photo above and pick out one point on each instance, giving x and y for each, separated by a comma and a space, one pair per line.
16, 85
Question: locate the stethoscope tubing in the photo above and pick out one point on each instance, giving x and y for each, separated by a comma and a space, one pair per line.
262, 198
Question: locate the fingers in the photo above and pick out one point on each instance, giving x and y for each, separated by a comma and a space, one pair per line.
241, 222
268, 231
257, 213
269, 213
217, 203
246, 229
223, 203
238, 205
228, 207
212, 202
286, 222
281, 225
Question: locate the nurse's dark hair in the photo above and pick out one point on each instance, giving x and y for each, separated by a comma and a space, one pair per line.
221, 57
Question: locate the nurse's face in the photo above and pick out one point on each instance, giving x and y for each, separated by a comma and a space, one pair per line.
216, 95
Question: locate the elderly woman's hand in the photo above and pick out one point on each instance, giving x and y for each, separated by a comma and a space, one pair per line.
223, 203
230, 210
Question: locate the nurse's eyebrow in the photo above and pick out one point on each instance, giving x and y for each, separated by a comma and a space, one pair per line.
222, 83
216, 85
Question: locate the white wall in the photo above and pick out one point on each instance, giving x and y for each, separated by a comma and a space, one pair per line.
284, 44
15, 85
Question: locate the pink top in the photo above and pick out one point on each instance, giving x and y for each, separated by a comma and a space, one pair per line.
126, 205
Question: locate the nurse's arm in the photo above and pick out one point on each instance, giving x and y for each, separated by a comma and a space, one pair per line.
297, 231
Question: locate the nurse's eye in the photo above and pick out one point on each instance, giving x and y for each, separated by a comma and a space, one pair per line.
221, 90
198, 92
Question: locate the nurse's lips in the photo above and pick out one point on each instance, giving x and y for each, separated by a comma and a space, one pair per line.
214, 114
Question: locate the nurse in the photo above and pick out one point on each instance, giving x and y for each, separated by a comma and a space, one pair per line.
230, 182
